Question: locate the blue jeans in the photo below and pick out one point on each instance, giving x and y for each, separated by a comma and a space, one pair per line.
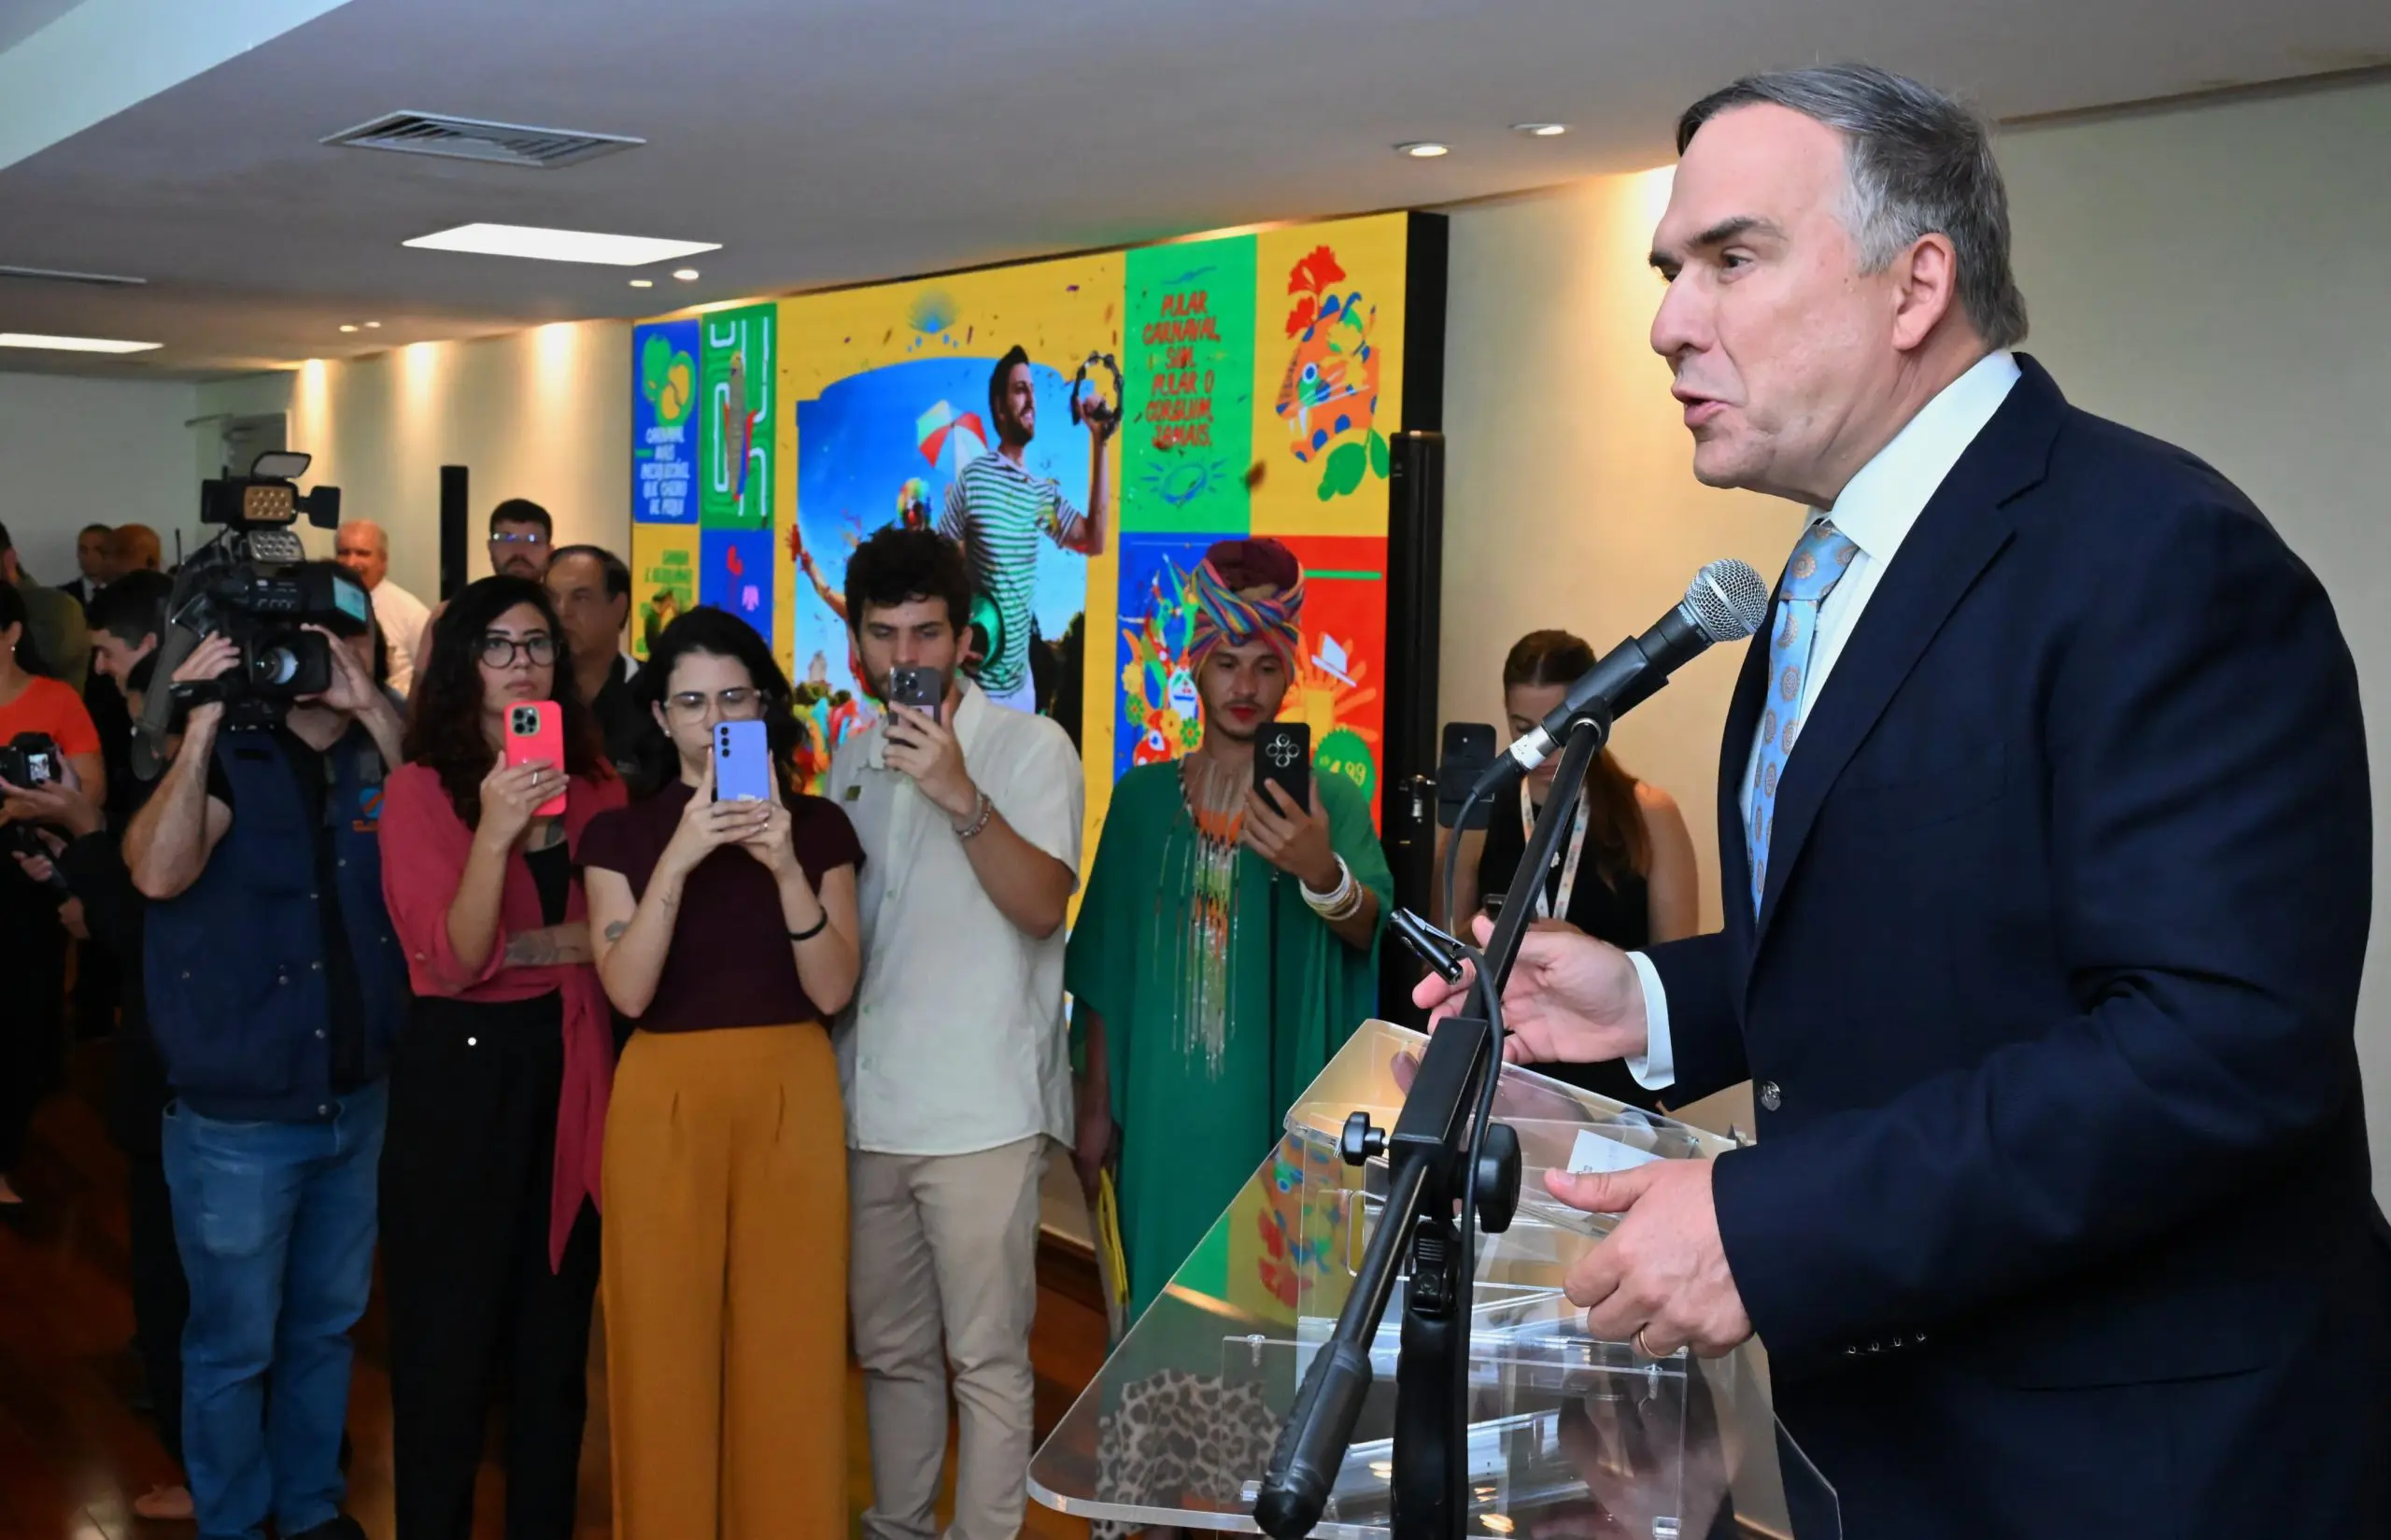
275, 1224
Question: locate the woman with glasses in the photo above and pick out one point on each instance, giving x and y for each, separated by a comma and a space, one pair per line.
498, 1087
727, 930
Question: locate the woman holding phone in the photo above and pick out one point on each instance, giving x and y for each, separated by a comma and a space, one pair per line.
727, 930
498, 1088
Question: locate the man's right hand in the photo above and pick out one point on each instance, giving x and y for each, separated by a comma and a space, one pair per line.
1571, 999
213, 659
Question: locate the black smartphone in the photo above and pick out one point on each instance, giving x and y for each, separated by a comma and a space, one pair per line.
924, 689
1283, 752
1469, 748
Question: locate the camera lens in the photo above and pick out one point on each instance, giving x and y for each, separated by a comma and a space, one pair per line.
276, 665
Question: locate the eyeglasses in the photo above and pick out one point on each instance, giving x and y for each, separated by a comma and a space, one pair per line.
739, 703
533, 538
499, 650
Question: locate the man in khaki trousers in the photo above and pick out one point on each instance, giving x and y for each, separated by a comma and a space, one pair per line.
953, 1057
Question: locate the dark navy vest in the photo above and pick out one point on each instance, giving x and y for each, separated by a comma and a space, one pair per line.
238, 998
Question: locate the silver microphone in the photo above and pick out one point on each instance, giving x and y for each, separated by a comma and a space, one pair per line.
1726, 602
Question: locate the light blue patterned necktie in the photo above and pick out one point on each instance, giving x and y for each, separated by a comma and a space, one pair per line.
1820, 560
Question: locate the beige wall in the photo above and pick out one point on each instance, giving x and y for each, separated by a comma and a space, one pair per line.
543, 413
92, 451
2215, 275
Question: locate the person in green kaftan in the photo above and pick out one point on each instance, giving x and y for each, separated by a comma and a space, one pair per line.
1227, 944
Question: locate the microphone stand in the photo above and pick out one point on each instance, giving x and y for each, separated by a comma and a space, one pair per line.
1444, 1137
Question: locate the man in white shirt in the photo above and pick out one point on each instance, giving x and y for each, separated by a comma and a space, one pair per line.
953, 1056
365, 550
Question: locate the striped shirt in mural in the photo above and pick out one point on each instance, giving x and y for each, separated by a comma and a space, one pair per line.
998, 511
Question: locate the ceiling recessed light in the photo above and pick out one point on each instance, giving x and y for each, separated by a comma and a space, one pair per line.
558, 246
349, 326
643, 283
686, 275
74, 345
1424, 150
1541, 131
373, 326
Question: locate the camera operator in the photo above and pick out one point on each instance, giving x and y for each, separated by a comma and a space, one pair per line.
81, 840
42, 721
277, 988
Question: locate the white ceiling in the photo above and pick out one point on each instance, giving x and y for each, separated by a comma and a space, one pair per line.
20, 18
829, 141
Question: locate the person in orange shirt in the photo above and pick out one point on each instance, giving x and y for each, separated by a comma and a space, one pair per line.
32, 939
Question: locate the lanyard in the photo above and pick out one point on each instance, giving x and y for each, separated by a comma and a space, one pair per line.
1545, 903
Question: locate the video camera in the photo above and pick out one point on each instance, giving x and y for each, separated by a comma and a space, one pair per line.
30, 759
253, 585
263, 608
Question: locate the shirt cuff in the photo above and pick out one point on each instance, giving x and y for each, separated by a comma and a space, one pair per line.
1656, 1067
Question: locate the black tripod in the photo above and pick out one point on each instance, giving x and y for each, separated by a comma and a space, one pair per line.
1452, 1171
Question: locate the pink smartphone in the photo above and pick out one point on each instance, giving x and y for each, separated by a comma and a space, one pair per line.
536, 731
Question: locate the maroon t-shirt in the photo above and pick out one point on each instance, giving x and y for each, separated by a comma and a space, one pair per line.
731, 963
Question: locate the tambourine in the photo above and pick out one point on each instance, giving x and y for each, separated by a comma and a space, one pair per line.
1106, 418
990, 621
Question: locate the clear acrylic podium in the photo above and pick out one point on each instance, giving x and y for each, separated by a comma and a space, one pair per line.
1569, 1435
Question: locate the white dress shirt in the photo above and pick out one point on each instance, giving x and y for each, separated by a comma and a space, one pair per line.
1876, 510
954, 1042
403, 617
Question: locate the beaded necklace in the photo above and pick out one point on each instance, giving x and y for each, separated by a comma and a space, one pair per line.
1215, 800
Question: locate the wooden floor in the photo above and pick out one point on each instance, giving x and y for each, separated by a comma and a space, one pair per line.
74, 1454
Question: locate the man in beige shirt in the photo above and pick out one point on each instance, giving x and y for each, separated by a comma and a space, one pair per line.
953, 1056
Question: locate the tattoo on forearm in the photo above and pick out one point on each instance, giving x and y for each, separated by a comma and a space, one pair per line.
614, 931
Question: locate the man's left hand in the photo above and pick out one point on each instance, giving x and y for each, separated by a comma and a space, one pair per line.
1289, 837
1664, 1271
921, 746
352, 689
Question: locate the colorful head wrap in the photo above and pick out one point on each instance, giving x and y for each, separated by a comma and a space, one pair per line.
1247, 590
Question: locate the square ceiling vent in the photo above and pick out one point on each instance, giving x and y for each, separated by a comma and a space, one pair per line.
470, 139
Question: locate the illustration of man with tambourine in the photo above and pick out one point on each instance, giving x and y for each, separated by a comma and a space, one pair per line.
998, 511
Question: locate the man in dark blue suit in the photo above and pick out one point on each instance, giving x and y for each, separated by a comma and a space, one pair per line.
2044, 831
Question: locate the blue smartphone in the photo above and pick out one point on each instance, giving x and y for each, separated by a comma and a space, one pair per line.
742, 763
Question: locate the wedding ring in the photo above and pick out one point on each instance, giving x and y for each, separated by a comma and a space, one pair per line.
1641, 1346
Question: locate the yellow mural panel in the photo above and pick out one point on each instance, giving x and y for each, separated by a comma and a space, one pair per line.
1327, 374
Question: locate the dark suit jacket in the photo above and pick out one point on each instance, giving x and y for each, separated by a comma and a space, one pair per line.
2062, 1220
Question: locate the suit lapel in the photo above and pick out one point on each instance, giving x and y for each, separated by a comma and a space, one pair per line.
1962, 527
